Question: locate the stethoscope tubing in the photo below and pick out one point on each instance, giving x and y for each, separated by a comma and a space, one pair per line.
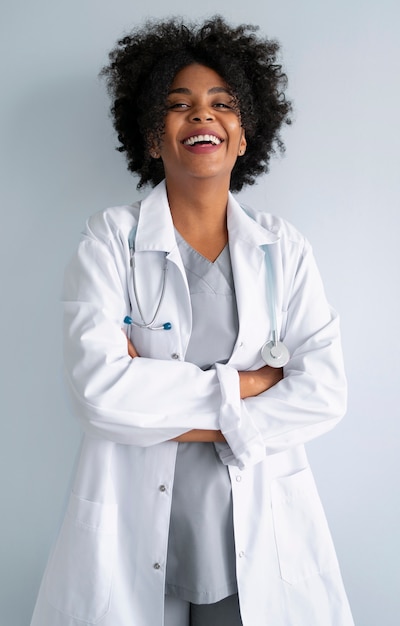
150, 325
274, 352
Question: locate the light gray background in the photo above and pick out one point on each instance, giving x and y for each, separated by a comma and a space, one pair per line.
339, 183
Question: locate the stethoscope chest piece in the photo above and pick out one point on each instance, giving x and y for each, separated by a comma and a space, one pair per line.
275, 353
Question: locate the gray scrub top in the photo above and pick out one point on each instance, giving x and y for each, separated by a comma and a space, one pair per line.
201, 552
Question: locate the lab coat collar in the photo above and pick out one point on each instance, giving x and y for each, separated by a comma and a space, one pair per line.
243, 227
155, 230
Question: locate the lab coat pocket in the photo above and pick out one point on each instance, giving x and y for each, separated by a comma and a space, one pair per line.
80, 572
303, 541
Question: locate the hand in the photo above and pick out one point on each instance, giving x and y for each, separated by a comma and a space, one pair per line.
131, 348
251, 384
197, 435
255, 382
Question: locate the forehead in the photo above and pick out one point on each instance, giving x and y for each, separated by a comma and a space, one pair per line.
197, 75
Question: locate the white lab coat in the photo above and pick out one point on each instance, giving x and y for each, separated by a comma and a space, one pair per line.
108, 564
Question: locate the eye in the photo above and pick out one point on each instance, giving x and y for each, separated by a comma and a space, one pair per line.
178, 105
229, 105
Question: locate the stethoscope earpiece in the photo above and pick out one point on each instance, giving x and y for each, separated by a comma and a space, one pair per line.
275, 353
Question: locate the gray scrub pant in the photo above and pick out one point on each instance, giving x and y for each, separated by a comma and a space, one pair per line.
223, 613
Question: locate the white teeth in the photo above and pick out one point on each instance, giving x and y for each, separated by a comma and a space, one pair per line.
201, 138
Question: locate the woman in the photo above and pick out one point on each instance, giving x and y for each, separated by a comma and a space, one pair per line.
193, 502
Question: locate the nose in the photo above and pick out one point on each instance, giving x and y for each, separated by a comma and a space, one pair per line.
202, 114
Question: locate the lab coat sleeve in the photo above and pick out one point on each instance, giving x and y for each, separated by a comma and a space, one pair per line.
140, 401
310, 399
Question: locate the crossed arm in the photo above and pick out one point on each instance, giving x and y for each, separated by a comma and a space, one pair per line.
251, 383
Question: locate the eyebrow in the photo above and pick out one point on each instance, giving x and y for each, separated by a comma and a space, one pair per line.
211, 91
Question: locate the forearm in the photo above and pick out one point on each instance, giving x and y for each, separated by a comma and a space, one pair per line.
198, 436
251, 384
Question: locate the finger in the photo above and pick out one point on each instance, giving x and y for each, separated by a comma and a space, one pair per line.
131, 349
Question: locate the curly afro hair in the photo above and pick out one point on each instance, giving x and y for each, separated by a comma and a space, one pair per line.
144, 63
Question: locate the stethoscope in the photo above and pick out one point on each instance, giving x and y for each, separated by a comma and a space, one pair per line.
150, 325
274, 352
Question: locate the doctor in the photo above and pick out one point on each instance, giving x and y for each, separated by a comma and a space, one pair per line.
193, 503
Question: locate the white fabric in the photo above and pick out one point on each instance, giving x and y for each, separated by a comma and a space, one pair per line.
118, 517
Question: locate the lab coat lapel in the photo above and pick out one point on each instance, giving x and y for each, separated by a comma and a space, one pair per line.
155, 229
246, 241
155, 238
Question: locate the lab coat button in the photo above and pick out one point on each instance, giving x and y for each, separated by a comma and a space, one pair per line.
241, 554
175, 356
238, 479
157, 566
162, 488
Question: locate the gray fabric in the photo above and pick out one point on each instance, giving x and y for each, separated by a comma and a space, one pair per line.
226, 612
214, 310
223, 613
201, 553
176, 612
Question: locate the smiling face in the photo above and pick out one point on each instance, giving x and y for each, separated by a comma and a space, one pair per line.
202, 136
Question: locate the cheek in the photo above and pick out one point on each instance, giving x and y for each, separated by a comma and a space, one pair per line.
236, 142
168, 143
235, 130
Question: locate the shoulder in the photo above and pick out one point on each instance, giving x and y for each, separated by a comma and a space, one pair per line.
275, 225
112, 223
292, 243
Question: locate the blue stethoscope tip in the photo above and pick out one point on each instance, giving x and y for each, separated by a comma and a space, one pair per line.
127, 320
167, 326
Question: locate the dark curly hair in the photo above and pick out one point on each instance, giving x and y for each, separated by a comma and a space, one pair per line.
144, 63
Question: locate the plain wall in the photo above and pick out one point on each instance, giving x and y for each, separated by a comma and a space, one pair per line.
338, 183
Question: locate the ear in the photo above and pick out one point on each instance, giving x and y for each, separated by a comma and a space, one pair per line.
242, 144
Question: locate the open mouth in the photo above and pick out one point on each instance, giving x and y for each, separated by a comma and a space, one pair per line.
202, 140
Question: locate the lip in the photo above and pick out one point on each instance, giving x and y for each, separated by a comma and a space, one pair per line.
203, 148
202, 131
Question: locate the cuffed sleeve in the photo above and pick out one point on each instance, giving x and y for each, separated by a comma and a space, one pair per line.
245, 440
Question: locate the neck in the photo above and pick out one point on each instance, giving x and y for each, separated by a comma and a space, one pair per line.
199, 214
198, 204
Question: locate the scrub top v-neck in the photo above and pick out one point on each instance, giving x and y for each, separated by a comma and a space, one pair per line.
201, 553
